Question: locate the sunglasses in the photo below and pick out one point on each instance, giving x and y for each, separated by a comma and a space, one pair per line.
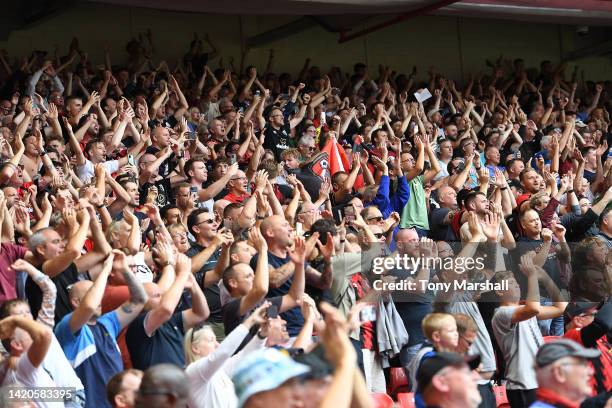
379, 235
196, 328
209, 221
377, 219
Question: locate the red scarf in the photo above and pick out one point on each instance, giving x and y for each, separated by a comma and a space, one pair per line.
552, 398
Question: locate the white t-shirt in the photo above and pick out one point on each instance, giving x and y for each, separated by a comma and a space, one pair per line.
86, 171
26, 375
56, 364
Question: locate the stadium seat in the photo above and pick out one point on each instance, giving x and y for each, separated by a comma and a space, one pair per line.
406, 400
548, 339
398, 382
381, 400
500, 396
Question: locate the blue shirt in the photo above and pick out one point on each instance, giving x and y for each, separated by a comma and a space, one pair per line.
93, 353
397, 202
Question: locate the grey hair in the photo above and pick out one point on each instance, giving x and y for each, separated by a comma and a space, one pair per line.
37, 239
306, 139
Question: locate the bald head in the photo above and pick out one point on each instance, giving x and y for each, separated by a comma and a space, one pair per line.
79, 289
269, 223
168, 380
407, 235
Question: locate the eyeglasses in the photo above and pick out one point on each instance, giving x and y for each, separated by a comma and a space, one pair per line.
310, 148
238, 178
208, 221
377, 219
469, 342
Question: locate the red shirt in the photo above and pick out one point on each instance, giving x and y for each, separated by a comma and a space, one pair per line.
233, 198
602, 366
367, 329
9, 254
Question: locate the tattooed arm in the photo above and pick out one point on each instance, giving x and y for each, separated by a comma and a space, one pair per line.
46, 315
138, 297
164, 311
92, 299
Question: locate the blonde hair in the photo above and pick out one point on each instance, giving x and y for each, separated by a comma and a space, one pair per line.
434, 322
465, 323
193, 335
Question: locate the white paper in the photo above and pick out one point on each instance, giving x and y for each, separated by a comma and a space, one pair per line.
422, 95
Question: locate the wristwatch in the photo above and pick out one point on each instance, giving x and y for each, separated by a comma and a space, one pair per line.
260, 336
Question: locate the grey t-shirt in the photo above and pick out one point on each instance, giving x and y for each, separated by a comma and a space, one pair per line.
482, 345
519, 342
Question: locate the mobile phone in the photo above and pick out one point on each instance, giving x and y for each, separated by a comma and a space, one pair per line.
227, 224
272, 312
232, 158
131, 160
298, 228
194, 194
257, 92
349, 213
191, 136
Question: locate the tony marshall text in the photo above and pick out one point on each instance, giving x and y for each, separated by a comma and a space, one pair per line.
425, 285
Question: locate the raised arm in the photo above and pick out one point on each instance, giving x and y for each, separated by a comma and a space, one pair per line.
128, 311
41, 336
199, 311
164, 311
93, 298
57, 265
532, 301
74, 144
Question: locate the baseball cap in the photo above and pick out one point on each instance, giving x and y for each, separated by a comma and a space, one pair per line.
431, 366
555, 350
574, 309
264, 370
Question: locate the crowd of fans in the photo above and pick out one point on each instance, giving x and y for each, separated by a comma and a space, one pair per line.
208, 237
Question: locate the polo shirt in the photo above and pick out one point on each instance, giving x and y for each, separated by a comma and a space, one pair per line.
93, 353
164, 346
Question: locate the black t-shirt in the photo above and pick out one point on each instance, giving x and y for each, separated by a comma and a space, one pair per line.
278, 140
164, 346
412, 308
438, 230
293, 317
232, 317
68, 277
167, 165
164, 189
551, 267
212, 293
